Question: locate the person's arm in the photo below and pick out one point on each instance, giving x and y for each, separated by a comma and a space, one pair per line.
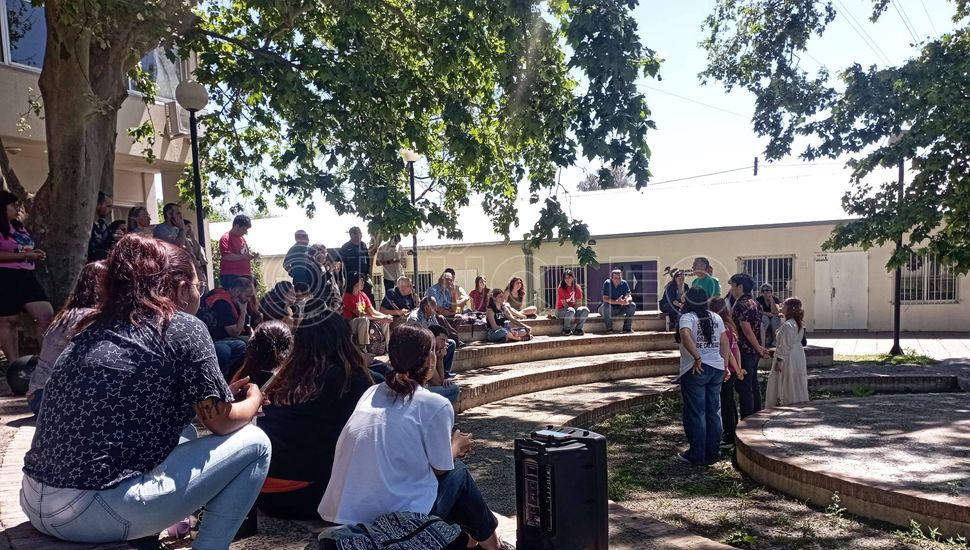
463, 297
240, 326
509, 310
376, 315
223, 418
438, 378
726, 355
490, 319
392, 311
774, 307
29, 256
752, 339
687, 340
786, 335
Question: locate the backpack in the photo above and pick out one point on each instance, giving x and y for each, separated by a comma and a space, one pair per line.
395, 531
206, 314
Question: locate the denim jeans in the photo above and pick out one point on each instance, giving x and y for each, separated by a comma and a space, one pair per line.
222, 473
568, 314
497, 335
702, 413
459, 501
450, 355
608, 311
229, 353
749, 390
449, 392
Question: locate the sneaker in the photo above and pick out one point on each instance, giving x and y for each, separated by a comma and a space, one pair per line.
609, 331
567, 332
578, 332
450, 375
628, 331
506, 545
682, 458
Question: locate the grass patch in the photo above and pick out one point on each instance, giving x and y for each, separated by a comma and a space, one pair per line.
909, 357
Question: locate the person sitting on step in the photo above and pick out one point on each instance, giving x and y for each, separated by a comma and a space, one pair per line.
515, 297
427, 314
360, 312
502, 326
617, 301
311, 398
405, 432
265, 352
231, 330
569, 295
441, 382
479, 296
115, 456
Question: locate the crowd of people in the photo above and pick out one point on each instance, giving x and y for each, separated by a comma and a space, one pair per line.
722, 341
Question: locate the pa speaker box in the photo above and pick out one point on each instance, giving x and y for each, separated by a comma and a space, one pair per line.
560, 490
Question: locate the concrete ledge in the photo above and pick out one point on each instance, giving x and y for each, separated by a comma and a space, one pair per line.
643, 321
815, 356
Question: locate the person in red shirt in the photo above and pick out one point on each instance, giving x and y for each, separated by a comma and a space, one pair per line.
479, 296
569, 296
359, 310
235, 256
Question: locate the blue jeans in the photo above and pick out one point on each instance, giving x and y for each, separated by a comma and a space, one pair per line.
569, 314
222, 473
449, 392
701, 394
450, 356
497, 335
608, 311
229, 352
459, 501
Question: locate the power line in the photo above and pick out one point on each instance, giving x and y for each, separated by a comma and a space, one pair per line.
699, 176
763, 166
906, 22
928, 18
708, 105
863, 34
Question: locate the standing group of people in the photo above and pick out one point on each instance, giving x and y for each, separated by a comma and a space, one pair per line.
722, 342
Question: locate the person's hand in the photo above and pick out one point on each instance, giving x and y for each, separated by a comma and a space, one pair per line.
698, 368
762, 351
35, 255
446, 382
461, 443
727, 374
739, 374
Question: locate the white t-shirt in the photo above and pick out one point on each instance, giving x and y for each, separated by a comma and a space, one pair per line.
385, 455
710, 352
392, 272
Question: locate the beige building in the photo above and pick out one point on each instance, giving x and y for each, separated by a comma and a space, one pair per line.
137, 183
643, 232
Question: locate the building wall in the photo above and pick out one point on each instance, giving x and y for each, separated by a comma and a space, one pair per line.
500, 262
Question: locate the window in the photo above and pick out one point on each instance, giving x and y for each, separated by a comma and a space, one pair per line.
926, 280
163, 71
27, 32
422, 282
552, 276
377, 288
777, 271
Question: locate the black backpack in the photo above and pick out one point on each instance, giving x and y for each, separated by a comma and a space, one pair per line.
205, 313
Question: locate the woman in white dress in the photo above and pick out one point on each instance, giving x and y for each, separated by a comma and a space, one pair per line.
788, 381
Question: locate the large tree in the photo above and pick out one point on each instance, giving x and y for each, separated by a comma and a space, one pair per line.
316, 98
758, 45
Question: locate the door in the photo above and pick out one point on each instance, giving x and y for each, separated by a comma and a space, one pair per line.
841, 291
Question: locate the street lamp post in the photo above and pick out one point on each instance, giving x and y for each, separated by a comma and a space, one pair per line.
193, 97
897, 287
410, 157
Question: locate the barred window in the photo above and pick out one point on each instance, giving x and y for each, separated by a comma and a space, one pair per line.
777, 271
927, 280
421, 283
552, 276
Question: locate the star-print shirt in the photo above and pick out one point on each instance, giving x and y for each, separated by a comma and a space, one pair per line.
118, 399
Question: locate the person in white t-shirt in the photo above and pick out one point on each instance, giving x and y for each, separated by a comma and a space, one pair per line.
398, 452
704, 350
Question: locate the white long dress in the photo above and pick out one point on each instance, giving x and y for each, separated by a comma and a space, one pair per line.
790, 384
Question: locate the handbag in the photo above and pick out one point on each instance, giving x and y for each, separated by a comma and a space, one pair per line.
395, 531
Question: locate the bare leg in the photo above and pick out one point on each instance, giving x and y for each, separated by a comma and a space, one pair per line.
531, 310
43, 313
8, 338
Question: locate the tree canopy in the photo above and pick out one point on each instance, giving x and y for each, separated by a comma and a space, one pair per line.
757, 45
614, 177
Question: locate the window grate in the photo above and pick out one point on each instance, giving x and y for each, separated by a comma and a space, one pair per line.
422, 282
777, 271
927, 280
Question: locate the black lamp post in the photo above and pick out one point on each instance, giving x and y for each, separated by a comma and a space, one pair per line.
897, 290
410, 157
193, 97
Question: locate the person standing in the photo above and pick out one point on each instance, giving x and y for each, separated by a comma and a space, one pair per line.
356, 258
390, 256
172, 229
100, 233
747, 318
298, 256
19, 289
673, 297
617, 300
197, 252
568, 297
235, 258
704, 350
704, 279
788, 381
771, 314
729, 407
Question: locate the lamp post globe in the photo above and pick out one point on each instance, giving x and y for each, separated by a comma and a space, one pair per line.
191, 95
409, 155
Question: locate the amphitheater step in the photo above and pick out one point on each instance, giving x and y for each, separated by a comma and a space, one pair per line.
549, 326
488, 384
542, 348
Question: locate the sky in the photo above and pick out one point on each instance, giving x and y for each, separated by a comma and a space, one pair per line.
702, 129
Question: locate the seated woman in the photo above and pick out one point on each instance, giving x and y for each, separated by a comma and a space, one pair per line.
80, 303
515, 295
311, 399
106, 464
568, 297
479, 296
360, 312
266, 352
498, 315
673, 297
278, 304
404, 431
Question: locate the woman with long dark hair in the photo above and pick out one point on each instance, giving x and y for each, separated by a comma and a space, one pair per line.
83, 299
279, 303
479, 296
19, 289
734, 372
267, 349
788, 381
360, 312
398, 451
515, 297
499, 321
569, 296
704, 349
673, 296
311, 397
106, 463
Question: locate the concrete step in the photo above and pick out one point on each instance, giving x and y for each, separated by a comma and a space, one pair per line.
644, 321
488, 384
542, 348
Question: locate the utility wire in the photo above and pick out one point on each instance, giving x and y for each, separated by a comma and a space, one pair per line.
863, 34
793, 164
929, 18
906, 22
708, 105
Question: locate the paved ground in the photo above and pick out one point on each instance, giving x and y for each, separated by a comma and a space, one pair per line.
938, 345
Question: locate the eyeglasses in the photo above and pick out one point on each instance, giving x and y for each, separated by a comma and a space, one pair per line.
200, 286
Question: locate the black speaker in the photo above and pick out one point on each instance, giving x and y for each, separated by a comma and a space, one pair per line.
560, 490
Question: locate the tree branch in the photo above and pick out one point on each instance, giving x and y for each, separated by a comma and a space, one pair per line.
255, 51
